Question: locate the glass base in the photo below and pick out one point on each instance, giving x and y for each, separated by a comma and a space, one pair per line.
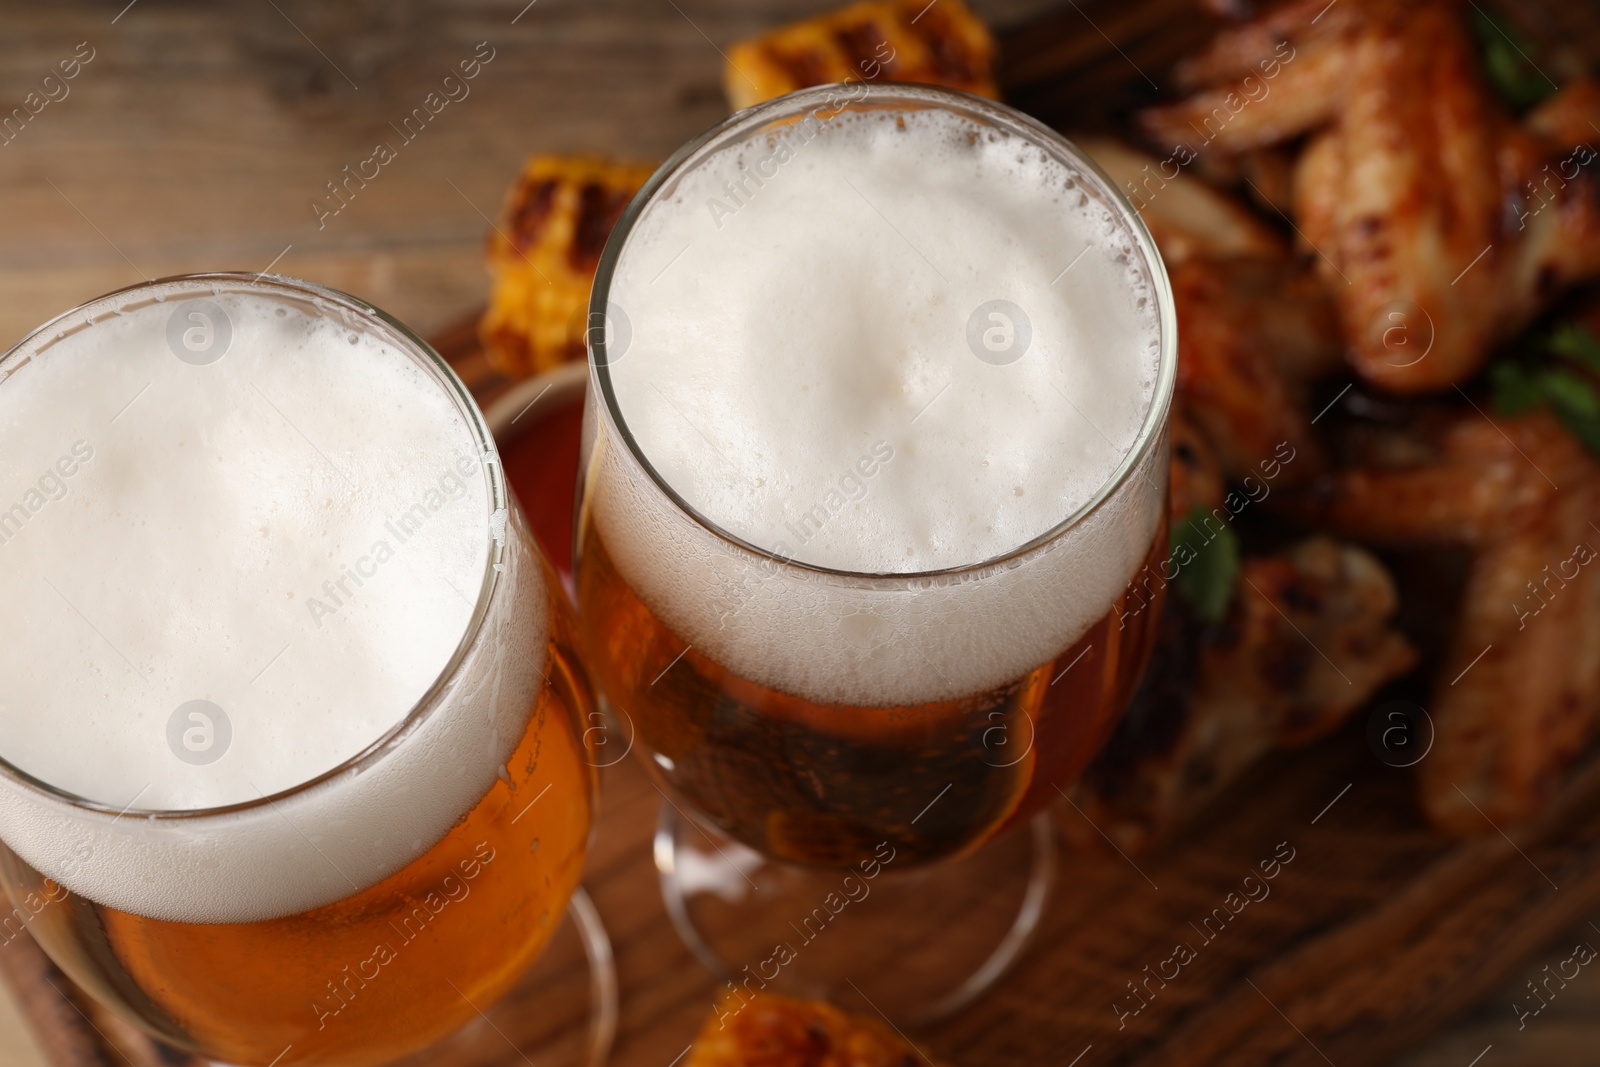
913, 946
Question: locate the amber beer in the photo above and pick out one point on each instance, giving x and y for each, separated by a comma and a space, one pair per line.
381, 973
825, 783
292, 768
876, 444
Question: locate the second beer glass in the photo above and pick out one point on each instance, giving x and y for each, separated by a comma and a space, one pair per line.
875, 450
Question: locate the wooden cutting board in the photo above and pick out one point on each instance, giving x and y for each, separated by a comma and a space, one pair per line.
1376, 933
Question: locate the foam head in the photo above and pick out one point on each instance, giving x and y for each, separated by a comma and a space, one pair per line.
897, 335
251, 524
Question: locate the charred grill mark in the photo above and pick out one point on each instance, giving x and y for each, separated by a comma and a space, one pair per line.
1513, 209
947, 50
598, 210
862, 44
1160, 710
805, 69
532, 212
1548, 282
1298, 596
1287, 666
1300, 718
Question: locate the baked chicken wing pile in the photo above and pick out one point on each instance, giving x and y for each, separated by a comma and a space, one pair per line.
1436, 224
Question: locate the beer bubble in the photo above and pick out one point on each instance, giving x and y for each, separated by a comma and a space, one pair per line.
999, 332
199, 733
864, 630
199, 332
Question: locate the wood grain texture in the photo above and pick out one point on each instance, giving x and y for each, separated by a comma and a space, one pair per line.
198, 138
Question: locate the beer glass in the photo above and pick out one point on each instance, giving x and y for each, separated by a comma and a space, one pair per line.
292, 769
773, 318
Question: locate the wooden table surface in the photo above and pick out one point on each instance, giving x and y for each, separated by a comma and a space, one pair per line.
199, 136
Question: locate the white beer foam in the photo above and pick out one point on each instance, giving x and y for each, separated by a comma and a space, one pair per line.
296, 533
801, 303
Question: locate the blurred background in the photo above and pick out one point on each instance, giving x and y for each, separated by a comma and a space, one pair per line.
199, 135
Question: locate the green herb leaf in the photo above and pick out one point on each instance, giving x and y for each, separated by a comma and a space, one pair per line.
1586, 428
1207, 555
1506, 60
1562, 372
1516, 389
1576, 343
1576, 404
1570, 393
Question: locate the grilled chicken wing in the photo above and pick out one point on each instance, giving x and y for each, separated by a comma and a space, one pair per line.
1464, 482
543, 255
1440, 224
1218, 697
1187, 217
1251, 336
1518, 694
892, 40
1307, 641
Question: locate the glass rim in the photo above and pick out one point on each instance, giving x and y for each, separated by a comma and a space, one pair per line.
498, 497
887, 93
